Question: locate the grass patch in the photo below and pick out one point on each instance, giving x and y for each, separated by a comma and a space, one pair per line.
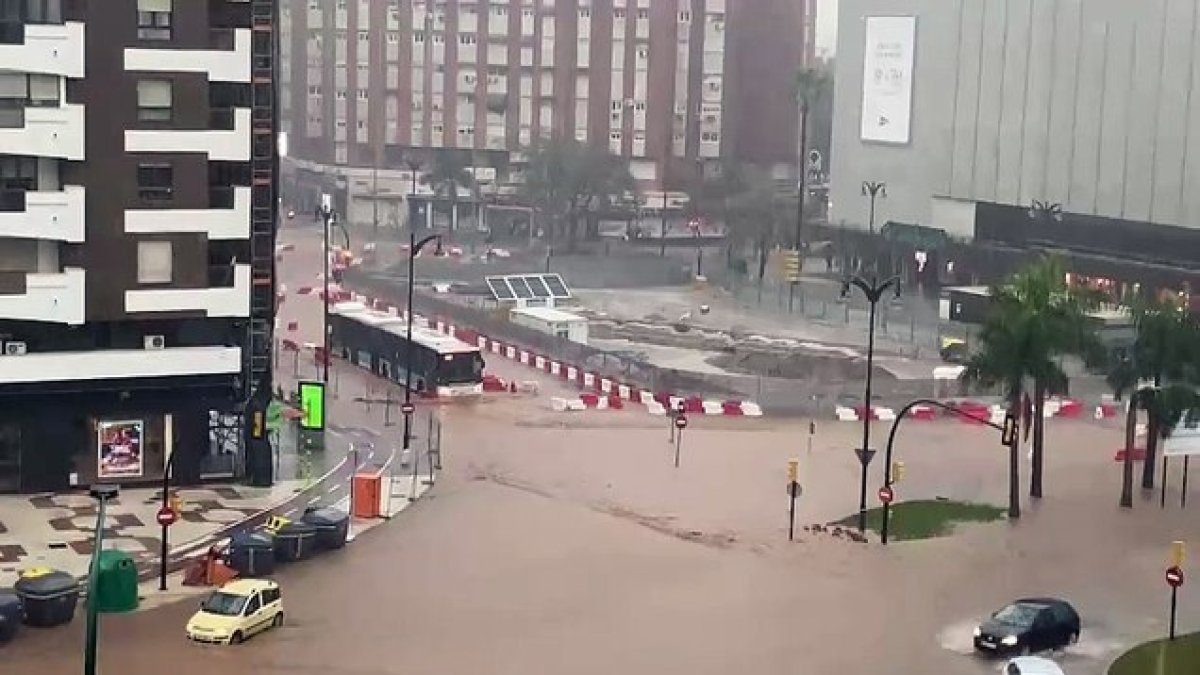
925, 519
1161, 657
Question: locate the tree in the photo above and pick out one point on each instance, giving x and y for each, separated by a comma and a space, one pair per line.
565, 179
1058, 326
1164, 358
450, 174
1005, 350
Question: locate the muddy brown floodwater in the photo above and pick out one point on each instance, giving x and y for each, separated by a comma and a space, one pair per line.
568, 544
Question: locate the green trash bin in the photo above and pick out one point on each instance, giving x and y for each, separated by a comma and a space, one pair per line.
116, 582
49, 596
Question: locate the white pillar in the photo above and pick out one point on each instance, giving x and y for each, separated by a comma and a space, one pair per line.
453, 216
429, 215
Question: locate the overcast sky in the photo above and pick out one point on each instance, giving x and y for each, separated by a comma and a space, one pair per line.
826, 26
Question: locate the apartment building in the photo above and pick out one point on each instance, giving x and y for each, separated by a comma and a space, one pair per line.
137, 211
366, 83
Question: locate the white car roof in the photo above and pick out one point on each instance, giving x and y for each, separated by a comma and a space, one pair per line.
1032, 665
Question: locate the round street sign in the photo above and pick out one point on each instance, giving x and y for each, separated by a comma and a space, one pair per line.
680, 422
886, 495
165, 516
407, 408
1174, 577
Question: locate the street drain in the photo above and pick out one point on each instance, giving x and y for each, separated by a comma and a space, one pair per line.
57, 545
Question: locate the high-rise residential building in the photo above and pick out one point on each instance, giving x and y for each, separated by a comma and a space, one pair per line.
367, 82
137, 212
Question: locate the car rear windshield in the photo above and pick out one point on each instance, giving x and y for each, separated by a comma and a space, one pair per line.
224, 604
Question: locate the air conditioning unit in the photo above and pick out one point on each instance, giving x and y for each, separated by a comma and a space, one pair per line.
154, 342
15, 349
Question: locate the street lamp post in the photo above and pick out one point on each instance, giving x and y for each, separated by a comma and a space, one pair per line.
873, 290
887, 452
662, 227
102, 494
327, 218
873, 189
414, 247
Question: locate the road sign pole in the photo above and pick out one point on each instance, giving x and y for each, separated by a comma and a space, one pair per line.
883, 526
678, 442
1174, 605
792, 513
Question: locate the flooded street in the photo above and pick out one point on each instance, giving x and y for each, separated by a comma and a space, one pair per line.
567, 543
579, 549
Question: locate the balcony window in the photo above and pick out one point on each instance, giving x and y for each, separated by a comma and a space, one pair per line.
31, 11
14, 93
154, 19
155, 182
154, 262
154, 100
18, 173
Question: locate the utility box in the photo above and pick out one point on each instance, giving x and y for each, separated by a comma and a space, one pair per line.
552, 321
116, 583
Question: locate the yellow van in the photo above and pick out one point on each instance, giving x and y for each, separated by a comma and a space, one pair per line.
236, 611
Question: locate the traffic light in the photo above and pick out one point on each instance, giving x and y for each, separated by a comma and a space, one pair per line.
257, 424
793, 470
1178, 553
791, 266
897, 471
1009, 434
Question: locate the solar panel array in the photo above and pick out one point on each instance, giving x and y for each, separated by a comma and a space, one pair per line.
528, 287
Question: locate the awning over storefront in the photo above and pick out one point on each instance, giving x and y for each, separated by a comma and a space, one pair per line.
917, 236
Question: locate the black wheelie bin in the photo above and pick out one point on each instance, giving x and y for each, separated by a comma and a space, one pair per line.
295, 541
252, 554
332, 526
11, 614
49, 596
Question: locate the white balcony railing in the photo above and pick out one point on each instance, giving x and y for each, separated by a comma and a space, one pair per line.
231, 301
116, 364
228, 145
52, 215
221, 65
47, 132
216, 223
50, 298
48, 49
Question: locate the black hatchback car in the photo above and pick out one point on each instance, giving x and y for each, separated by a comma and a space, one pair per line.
1029, 625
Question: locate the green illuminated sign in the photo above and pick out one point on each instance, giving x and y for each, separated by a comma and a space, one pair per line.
312, 404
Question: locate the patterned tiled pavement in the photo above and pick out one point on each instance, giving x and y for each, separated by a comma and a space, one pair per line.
56, 530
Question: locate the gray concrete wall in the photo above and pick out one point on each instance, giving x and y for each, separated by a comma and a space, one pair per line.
1091, 103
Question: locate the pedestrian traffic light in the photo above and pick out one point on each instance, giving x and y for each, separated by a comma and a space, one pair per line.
897, 471
1178, 553
793, 470
791, 266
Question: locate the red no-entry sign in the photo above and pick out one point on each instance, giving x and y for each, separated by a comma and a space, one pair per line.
886, 495
166, 516
1174, 577
680, 422
408, 408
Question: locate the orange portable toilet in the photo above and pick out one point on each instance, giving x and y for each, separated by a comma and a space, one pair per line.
367, 487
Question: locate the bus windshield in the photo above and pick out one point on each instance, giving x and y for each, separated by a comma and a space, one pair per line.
461, 368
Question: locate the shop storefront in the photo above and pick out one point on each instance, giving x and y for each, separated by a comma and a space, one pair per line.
58, 440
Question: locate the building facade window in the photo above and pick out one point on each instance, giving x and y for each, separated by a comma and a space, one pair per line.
155, 182
154, 19
19, 91
154, 100
154, 262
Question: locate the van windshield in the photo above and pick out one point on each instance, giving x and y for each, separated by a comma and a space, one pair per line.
224, 604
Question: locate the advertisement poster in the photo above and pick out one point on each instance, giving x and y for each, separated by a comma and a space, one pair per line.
119, 448
888, 79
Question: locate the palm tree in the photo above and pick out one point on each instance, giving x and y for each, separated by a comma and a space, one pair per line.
450, 173
1007, 348
1059, 327
1122, 377
1164, 352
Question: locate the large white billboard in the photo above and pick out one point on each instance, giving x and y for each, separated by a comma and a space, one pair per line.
888, 79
